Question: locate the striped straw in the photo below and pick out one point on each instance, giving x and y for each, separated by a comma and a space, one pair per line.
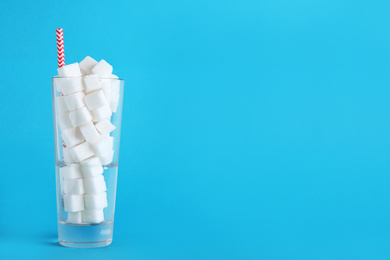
60, 54
60, 48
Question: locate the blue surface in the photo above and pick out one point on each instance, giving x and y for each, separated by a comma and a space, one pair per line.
251, 129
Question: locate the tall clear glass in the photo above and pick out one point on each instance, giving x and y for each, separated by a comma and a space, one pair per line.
86, 160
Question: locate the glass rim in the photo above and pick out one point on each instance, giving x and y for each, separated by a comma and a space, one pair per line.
55, 77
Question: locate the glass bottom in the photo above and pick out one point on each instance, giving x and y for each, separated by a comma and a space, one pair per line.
85, 244
85, 235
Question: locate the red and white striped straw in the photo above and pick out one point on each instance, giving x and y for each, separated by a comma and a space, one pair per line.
60, 48
60, 54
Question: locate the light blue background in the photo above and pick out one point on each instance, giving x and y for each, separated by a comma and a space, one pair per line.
251, 129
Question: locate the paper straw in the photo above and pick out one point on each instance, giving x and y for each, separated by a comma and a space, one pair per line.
60, 48
60, 54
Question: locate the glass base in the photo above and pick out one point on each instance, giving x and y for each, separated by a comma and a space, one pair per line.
85, 235
85, 244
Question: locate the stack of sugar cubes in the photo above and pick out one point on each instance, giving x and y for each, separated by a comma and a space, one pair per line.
89, 96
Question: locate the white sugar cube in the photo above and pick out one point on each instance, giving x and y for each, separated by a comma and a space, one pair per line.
61, 105
91, 167
115, 87
69, 71
80, 117
72, 136
64, 121
107, 157
67, 157
95, 99
75, 217
114, 103
73, 186
105, 127
73, 203
75, 101
96, 201
89, 131
95, 185
102, 144
81, 152
54, 80
115, 94
92, 83
71, 171
101, 113
102, 69
106, 87
92, 216
70, 85
87, 64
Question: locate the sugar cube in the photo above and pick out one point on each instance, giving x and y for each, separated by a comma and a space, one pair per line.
107, 157
114, 103
72, 136
73, 186
69, 71
105, 127
64, 121
81, 152
106, 87
80, 117
95, 185
101, 113
71, 171
70, 85
73, 203
87, 64
67, 157
95, 99
75, 101
91, 167
102, 69
102, 144
61, 105
92, 216
92, 83
54, 80
75, 217
115, 86
115, 95
89, 131
95, 201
